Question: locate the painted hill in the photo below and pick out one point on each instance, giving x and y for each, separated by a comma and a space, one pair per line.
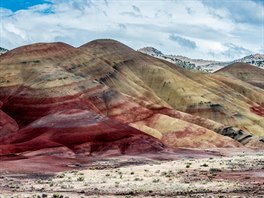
245, 72
104, 98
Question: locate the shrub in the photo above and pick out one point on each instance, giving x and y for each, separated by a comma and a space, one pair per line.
80, 179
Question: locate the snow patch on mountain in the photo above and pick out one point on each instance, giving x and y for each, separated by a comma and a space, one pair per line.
151, 51
200, 64
3, 50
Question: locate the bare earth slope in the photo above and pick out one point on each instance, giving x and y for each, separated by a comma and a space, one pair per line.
201, 94
245, 72
104, 98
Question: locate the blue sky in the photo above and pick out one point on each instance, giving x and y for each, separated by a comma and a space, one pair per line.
16, 5
208, 29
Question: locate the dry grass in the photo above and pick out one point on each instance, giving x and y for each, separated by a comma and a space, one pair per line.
240, 174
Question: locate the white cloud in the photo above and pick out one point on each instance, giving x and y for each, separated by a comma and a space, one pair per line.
231, 51
183, 42
138, 24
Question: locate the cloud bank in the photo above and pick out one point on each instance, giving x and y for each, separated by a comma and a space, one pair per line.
222, 30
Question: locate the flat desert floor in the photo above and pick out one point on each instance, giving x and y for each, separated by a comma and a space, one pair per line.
236, 174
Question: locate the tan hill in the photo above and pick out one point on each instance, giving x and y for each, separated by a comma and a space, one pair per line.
210, 96
245, 72
104, 96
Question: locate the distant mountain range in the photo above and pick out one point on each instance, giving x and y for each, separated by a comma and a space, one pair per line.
200, 64
3, 50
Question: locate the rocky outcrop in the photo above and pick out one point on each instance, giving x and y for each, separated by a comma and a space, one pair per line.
243, 137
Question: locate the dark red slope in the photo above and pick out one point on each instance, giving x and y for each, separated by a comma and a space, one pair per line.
39, 50
29, 107
8, 125
80, 130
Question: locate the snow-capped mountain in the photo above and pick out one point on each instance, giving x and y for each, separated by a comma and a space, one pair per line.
200, 64
253, 59
3, 50
151, 51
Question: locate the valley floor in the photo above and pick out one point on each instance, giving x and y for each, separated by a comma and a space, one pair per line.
240, 174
